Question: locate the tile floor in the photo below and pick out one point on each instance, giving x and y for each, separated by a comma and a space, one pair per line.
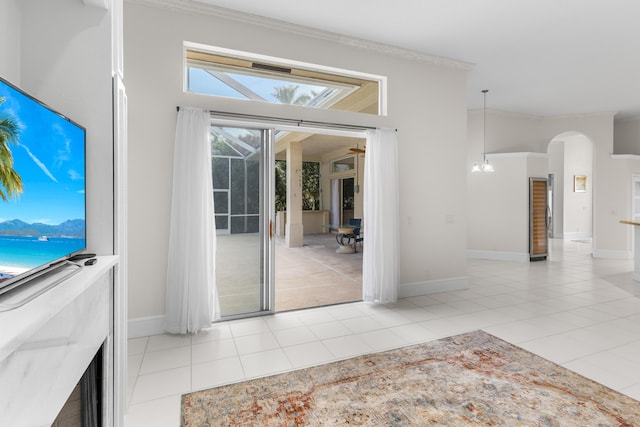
580, 312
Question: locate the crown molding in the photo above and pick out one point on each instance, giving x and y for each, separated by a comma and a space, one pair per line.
626, 119
625, 156
523, 154
102, 4
517, 115
195, 7
409, 54
582, 116
511, 114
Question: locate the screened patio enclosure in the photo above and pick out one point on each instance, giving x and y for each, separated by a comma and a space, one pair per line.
236, 176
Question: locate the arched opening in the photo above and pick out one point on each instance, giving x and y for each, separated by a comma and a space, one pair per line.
570, 168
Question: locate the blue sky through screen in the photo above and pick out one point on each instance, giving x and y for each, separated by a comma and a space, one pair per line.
50, 161
202, 82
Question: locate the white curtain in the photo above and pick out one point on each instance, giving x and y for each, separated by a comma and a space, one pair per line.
380, 217
191, 290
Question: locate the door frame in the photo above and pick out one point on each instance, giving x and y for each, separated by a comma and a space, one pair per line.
267, 220
269, 128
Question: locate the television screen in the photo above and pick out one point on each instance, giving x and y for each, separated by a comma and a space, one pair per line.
42, 186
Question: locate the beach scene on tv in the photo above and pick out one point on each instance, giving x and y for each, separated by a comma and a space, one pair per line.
42, 185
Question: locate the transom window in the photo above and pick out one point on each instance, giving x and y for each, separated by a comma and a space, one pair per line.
272, 80
343, 165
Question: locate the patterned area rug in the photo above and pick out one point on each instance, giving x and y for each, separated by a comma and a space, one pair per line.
473, 379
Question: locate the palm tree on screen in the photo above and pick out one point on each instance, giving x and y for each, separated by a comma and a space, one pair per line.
10, 181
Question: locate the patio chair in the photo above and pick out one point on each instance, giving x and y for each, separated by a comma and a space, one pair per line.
355, 236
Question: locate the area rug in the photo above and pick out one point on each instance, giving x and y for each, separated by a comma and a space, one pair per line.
473, 379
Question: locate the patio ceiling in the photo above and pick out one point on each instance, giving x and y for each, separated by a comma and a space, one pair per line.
314, 146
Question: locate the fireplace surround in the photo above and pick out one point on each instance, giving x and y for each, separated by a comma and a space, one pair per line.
48, 343
83, 407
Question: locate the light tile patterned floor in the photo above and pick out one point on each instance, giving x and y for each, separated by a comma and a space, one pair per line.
580, 312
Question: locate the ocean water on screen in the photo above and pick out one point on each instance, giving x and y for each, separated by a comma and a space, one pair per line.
27, 252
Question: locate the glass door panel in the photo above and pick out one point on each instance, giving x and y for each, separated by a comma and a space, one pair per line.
347, 200
242, 208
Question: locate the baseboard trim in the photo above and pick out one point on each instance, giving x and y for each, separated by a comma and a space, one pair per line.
498, 256
145, 326
577, 235
433, 287
154, 325
605, 254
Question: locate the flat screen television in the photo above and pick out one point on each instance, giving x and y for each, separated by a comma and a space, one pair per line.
42, 187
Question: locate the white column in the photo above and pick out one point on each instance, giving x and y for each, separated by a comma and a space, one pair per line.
294, 229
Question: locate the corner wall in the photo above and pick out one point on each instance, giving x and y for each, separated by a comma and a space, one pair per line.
578, 206
499, 206
627, 136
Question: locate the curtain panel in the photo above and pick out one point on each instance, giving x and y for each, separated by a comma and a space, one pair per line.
191, 288
381, 228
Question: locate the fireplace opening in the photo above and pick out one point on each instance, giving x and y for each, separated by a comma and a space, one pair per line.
83, 408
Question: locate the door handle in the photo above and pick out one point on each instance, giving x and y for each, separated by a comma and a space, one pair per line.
546, 219
270, 229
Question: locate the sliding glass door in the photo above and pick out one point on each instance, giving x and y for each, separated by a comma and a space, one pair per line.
310, 272
243, 200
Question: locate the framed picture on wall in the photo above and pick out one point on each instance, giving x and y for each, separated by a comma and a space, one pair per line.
579, 183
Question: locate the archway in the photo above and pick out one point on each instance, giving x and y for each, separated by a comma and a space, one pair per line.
570, 168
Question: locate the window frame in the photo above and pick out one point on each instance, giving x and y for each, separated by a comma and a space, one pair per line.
339, 160
285, 63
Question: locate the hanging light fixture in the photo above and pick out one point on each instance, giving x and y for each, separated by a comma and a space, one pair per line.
485, 167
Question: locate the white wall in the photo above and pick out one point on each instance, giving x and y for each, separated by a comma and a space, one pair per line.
578, 160
571, 154
628, 166
10, 41
555, 153
513, 132
627, 136
66, 63
499, 206
426, 104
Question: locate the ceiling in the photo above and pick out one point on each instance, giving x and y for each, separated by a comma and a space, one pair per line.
541, 57
315, 145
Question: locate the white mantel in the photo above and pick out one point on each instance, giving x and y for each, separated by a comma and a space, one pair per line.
47, 344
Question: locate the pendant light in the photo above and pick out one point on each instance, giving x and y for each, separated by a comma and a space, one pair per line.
486, 167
